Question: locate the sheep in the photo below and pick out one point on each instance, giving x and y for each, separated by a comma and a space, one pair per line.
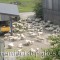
31, 42
19, 38
20, 24
7, 34
28, 42
5, 38
19, 50
37, 50
40, 33
18, 35
13, 38
20, 45
32, 50
34, 34
10, 45
14, 26
22, 36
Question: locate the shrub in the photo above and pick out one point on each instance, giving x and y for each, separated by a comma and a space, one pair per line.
55, 42
39, 10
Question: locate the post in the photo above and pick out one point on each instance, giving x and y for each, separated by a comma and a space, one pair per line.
1, 49
11, 26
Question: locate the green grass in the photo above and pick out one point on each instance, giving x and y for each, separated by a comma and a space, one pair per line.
29, 58
25, 6
11, 50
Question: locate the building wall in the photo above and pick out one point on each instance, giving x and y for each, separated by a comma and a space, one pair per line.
51, 10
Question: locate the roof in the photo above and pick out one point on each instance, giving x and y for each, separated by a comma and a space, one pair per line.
10, 9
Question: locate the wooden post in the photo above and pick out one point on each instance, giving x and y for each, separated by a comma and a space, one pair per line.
11, 26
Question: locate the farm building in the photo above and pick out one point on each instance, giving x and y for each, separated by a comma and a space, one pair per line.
8, 12
51, 10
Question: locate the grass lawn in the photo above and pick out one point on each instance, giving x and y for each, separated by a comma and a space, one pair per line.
32, 57
24, 6
11, 50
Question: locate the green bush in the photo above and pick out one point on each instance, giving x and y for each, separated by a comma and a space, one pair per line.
48, 58
55, 42
39, 9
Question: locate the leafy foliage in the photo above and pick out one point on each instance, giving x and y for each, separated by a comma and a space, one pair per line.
39, 10
55, 43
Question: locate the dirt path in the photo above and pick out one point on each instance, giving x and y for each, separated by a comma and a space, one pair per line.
26, 14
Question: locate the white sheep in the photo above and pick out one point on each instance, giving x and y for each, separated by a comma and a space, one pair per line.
10, 38
14, 26
32, 50
40, 33
22, 35
31, 42
28, 42
18, 34
34, 34
20, 45
37, 50
5, 38
7, 34
10, 45
19, 50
